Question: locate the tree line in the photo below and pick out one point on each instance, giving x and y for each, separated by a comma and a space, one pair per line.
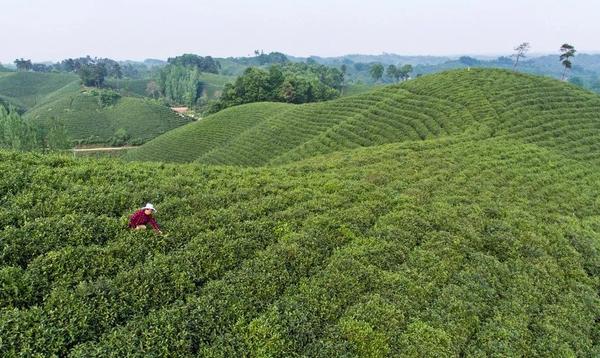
19, 134
289, 83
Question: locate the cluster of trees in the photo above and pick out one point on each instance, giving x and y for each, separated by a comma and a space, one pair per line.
290, 83
202, 64
19, 134
92, 71
566, 52
23, 65
178, 84
393, 72
261, 59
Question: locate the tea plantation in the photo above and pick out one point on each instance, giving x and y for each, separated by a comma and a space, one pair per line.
87, 119
90, 115
28, 89
451, 216
482, 102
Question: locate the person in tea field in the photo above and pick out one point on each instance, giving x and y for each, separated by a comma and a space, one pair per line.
142, 217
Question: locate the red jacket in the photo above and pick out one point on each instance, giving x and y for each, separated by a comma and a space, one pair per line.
140, 218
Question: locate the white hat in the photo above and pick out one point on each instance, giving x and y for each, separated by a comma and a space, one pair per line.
149, 206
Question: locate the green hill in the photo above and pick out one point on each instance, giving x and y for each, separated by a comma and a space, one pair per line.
89, 120
435, 248
28, 89
451, 216
487, 102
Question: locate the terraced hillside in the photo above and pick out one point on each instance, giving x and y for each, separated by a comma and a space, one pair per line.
452, 216
87, 119
28, 89
477, 102
440, 248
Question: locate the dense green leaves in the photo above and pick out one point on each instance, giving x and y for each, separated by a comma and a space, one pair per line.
290, 83
414, 249
463, 245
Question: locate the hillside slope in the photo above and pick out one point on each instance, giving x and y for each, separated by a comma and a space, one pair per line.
479, 102
28, 89
88, 120
438, 248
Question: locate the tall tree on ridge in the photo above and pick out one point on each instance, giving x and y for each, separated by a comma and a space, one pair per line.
521, 52
567, 51
23, 65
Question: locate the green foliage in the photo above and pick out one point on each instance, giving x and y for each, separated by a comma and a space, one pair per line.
180, 84
15, 133
94, 116
106, 97
92, 74
28, 89
290, 83
534, 109
483, 240
202, 64
262, 59
376, 71
414, 249
58, 137
24, 135
23, 65
567, 51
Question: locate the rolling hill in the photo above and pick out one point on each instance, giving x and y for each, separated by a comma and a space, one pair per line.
44, 97
28, 89
451, 216
483, 102
88, 120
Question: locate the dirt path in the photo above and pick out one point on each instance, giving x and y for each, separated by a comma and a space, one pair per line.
101, 149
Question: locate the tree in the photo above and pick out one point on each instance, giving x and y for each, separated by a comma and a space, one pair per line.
23, 65
567, 51
290, 82
92, 74
404, 72
16, 133
57, 137
152, 89
203, 64
521, 52
113, 69
180, 84
376, 71
393, 73
469, 61
344, 69
40, 67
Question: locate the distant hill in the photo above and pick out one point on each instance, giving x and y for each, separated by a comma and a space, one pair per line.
483, 101
88, 120
45, 97
30, 88
385, 58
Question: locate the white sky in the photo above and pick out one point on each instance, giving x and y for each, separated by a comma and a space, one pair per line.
136, 29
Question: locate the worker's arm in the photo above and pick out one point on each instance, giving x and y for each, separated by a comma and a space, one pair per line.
154, 225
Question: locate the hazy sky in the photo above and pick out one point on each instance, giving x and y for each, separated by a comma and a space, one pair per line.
137, 29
